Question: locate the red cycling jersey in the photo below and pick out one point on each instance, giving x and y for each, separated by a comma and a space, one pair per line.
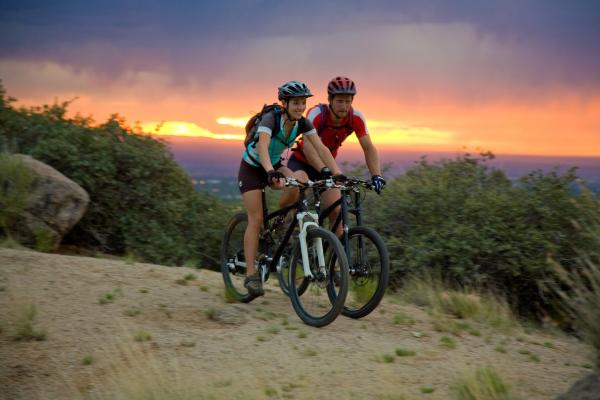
332, 136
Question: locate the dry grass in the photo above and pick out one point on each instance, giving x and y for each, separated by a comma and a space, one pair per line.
579, 290
25, 330
462, 304
483, 384
137, 375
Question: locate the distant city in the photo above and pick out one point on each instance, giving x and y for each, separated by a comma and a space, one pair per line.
213, 164
224, 187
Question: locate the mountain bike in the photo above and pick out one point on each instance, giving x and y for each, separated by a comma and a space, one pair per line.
320, 251
365, 249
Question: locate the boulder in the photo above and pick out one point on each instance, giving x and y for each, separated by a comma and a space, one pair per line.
587, 388
54, 205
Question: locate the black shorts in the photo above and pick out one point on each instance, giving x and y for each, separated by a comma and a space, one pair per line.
296, 165
253, 178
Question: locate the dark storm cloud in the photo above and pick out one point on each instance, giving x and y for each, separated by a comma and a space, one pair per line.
557, 40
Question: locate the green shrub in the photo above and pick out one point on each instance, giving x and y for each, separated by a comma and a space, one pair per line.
15, 184
471, 224
141, 201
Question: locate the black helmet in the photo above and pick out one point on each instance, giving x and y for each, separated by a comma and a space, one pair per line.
293, 89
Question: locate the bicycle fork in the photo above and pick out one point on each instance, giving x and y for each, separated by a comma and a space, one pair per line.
314, 218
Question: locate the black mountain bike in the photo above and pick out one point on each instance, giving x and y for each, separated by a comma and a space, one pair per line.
322, 270
366, 252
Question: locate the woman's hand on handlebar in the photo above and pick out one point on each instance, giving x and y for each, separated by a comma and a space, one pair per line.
276, 179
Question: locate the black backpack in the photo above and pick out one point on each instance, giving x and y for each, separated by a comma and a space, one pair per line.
252, 125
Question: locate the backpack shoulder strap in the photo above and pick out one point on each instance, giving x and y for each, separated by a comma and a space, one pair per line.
277, 116
276, 109
302, 125
324, 114
350, 123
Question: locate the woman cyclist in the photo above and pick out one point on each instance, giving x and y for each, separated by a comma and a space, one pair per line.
261, 165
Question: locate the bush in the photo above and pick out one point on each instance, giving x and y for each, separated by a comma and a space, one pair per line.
473, 226
15, 184
141, 201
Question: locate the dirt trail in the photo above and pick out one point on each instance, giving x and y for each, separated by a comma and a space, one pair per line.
228, 351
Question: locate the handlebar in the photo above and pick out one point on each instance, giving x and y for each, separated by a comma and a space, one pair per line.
348, 184
324, 183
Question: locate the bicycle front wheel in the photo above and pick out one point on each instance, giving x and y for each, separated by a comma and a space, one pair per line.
233, 262
369, 266
309, 292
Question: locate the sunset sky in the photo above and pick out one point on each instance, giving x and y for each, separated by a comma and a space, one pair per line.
514, 77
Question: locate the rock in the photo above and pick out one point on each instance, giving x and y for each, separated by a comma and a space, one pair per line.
587, 388
54, 205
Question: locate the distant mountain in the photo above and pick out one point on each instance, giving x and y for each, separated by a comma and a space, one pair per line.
205, 158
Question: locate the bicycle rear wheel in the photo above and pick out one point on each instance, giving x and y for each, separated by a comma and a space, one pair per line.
233, 262
314, 306
369, 271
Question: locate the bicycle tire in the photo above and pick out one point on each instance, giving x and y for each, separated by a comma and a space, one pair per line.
232, 254
314, 306
369, 273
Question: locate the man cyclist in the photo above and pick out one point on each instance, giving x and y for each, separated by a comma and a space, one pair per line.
334, 123
261, 164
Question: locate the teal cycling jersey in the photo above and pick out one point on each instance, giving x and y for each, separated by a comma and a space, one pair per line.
278, 143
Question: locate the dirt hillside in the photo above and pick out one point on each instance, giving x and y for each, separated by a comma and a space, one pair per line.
111, 325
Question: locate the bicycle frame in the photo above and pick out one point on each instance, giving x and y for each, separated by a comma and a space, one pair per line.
343, 217
301, 215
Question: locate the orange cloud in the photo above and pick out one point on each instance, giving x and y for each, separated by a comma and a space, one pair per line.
181, 128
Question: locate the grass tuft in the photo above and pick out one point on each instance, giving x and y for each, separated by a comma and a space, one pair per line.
484, 384
24, 327
400, 352
190, 277
106, 298
310, 352
210, 313
403, 319
448, 342
385, 358
87, 360
440, 298
142, 336
274, 330
131, 258
132, 312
